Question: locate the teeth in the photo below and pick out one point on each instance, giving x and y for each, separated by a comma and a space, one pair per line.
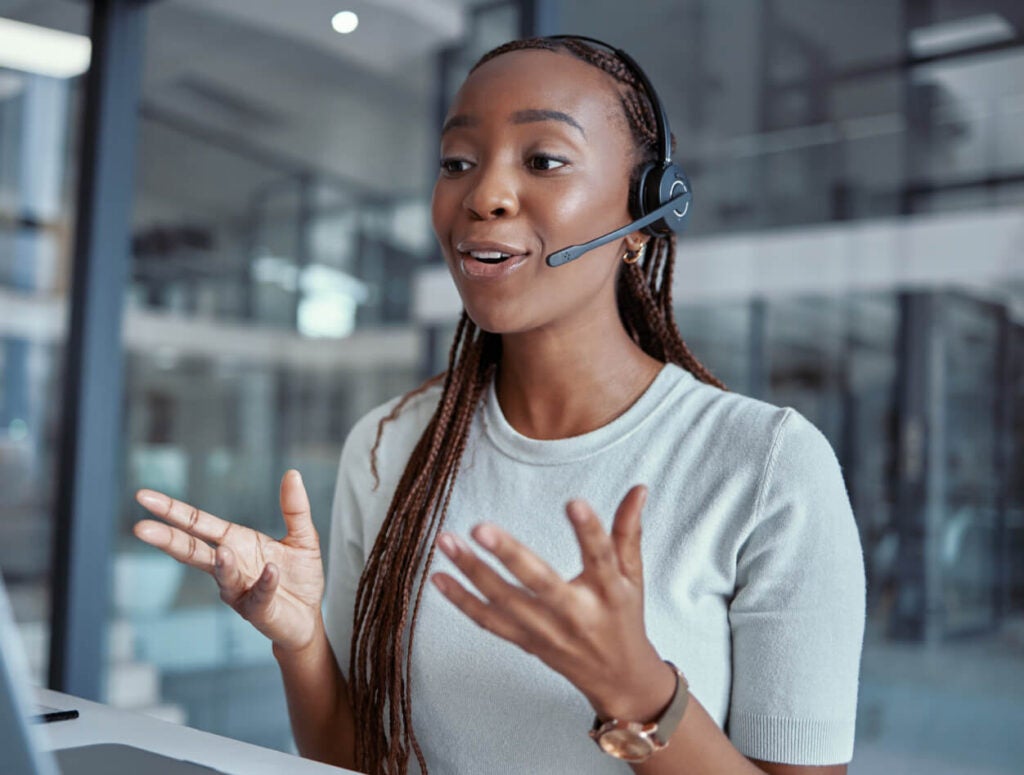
488, 254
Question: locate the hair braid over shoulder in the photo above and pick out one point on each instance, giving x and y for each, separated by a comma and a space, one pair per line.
391, 586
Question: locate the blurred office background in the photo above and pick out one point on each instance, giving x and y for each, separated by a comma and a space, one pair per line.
857, 252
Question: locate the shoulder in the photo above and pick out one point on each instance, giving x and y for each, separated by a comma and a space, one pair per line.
775, 449
401, 430
729, 428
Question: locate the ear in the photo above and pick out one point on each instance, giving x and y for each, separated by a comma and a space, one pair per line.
636, 240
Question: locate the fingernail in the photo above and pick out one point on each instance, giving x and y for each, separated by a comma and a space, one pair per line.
448, 544
440, 582
577, 513
296, 475
486, 536
150, 499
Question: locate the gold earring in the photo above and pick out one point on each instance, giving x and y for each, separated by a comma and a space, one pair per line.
632, 256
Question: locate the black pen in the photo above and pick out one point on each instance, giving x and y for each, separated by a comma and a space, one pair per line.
55, 715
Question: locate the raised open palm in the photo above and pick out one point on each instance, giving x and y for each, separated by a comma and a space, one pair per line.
276, 585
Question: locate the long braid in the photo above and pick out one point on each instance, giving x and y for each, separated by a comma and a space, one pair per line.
391, 586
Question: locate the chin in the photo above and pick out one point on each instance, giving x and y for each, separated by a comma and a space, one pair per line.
491, 323
499, 319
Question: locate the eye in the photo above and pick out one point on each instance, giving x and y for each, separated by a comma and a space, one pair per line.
543, 163
452, 166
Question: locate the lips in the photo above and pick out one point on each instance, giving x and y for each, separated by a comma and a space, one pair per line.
489, 259
488, 252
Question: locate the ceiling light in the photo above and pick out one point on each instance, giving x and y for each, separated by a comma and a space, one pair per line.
41, 50
957, 35
345, 22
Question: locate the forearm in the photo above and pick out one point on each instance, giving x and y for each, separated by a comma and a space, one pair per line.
698, 747
318, 702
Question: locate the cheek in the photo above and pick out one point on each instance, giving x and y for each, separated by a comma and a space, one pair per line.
588, 274
581, 284
572, 215
438, 208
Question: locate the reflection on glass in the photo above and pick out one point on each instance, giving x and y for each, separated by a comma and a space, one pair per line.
37, 119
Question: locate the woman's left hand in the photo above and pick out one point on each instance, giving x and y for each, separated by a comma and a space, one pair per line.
589, 629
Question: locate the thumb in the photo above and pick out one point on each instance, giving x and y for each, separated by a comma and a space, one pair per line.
298, 518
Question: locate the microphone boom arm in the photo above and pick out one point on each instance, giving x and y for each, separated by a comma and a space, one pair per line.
573, 252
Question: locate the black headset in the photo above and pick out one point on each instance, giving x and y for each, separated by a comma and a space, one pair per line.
661, 203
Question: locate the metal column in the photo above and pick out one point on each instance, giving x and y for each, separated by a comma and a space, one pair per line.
90, 448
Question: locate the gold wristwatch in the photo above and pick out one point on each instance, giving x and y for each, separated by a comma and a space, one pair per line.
634, 741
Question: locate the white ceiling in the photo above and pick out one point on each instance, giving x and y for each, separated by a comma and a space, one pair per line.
392, 34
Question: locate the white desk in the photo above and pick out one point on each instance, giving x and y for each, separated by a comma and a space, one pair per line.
98, 723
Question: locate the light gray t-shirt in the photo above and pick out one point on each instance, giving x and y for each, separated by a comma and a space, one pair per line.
754, 578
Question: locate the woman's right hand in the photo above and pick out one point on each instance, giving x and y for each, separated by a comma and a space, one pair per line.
276, 585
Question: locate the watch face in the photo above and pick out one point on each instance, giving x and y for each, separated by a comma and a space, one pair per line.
626, 744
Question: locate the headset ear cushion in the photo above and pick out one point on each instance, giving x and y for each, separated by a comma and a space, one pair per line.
642, 196
660, 185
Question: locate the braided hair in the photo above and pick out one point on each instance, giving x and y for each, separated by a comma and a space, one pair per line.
391, 586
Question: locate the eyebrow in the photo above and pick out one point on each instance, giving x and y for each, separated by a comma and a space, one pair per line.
529, 116
519, 117
458, 121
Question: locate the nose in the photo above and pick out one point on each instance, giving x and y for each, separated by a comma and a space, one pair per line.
492, 194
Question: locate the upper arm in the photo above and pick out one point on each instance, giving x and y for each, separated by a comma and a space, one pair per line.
797, 615
772, 768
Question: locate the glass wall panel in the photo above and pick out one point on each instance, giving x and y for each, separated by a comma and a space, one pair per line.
38, 137
282, 213
725, 338
791, 112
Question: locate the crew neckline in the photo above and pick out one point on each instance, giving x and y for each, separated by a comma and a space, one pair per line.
552, 451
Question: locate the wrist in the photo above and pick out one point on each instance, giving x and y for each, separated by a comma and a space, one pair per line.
641, 698
309, 650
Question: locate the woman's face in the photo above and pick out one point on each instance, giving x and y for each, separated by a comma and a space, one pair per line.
535, 156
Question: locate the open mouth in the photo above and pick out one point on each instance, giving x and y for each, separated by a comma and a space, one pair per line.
489, 257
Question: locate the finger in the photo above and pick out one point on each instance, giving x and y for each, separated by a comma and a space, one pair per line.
483, 615
531, 571
599, 560
298, 517
626, 530
258, 599
184, 516
498, 592
228, 575
177, 543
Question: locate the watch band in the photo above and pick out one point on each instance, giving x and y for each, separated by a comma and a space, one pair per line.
673, 714
634, 741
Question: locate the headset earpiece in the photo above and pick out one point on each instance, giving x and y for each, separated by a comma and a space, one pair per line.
658, 185
660, 206
660, 181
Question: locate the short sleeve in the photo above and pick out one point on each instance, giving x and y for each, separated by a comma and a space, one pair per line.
797, 616
361, 503
346, 556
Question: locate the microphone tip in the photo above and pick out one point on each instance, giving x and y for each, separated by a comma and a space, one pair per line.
561, 257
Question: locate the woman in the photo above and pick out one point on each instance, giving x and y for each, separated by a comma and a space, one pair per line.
568, 389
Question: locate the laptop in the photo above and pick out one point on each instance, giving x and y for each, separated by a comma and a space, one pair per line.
22, 740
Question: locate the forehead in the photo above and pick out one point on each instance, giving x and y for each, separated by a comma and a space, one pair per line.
537, 79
